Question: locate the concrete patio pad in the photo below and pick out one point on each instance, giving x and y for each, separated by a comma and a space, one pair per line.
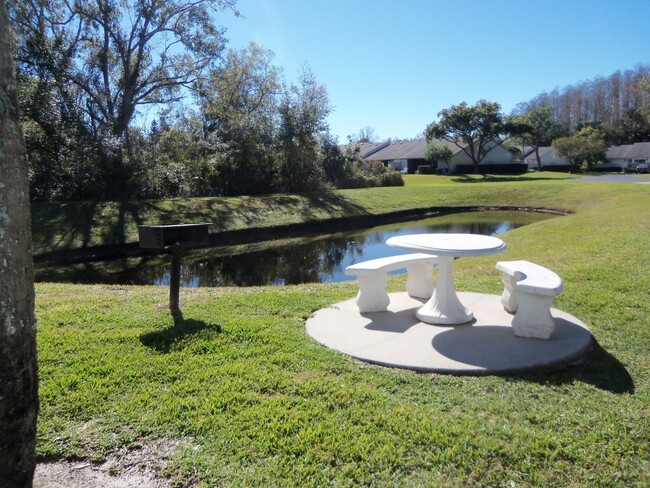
487, 345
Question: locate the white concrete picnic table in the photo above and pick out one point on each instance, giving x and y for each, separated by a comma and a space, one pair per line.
444, 307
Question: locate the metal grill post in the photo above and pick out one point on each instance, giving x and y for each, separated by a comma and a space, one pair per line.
173, 238
175, 278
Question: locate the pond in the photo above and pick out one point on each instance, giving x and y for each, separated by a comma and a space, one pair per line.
279, 262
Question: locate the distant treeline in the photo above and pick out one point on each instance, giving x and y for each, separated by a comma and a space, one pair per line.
618, 104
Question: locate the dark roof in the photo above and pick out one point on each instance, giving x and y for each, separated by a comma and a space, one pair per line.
369, 148
629, 151
413, 149
365, 148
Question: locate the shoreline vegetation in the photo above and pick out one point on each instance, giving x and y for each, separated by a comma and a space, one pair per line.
239, 395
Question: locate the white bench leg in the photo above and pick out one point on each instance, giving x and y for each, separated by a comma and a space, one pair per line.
372, 296
509, 296
420, 281
533, 317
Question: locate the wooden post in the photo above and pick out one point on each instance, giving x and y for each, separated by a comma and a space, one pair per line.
175, 278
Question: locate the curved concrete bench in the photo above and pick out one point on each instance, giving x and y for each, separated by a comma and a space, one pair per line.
372, 277
529, 291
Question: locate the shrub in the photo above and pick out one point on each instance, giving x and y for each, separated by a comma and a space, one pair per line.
392, 178
558, 168
493, 169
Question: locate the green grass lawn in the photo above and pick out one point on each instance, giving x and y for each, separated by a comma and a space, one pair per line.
250, 399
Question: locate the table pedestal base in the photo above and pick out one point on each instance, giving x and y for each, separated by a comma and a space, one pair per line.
444, 307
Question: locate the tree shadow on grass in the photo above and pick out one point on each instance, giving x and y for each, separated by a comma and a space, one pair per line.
164, 341
599, 368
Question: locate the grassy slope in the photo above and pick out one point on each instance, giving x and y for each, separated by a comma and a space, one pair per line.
255, 402
84, 224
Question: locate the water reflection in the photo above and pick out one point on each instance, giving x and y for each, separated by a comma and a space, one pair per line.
321, 259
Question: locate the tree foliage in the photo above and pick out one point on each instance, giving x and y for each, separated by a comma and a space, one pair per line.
269, 135
473, 129
607, 101
633, 127
536, 128
87, 69
365, 134
239, 103
583, 149
97, 62
435, 152
303, 123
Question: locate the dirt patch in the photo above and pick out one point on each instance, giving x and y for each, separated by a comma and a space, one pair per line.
84, 475
126, 468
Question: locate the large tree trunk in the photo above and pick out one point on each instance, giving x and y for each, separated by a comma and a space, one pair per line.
18, 369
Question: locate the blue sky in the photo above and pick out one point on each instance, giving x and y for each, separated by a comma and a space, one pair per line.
394, 64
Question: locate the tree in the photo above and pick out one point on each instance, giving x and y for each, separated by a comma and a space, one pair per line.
434, 152
241, 96
603, 99
104, 59
240, 106
476, 130
303, 113
634, 127
365, 134
582, 150
339, 163
18, 367
173, 158
536, 128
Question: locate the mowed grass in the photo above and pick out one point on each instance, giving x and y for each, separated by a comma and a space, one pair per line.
251, 400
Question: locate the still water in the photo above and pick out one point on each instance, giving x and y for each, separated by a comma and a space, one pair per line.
279, 262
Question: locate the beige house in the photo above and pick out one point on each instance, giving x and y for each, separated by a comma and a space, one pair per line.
407, 156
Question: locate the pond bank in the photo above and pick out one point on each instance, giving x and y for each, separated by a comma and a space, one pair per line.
257, 234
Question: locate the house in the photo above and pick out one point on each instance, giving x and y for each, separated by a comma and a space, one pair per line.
547, 158
626, 156
403, 156
407, 156
498, 160
617, 158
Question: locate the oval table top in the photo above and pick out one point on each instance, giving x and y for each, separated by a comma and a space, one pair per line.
456, 245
